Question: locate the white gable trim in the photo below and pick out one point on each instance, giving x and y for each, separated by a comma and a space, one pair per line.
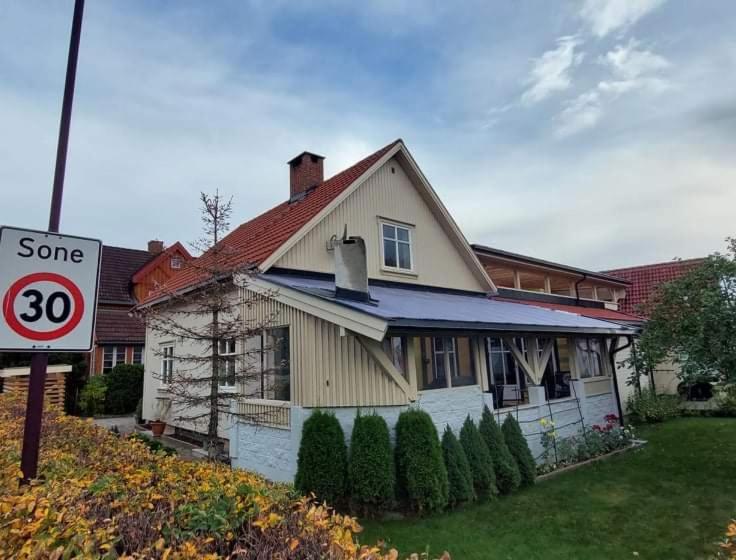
360, 323
301, 232
427, 193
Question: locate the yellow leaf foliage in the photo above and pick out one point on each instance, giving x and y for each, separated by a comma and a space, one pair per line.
102, 496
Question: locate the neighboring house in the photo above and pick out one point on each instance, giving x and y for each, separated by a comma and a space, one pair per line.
127, 276
400, 313
644, 281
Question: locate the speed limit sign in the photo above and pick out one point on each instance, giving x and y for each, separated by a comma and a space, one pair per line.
48, 286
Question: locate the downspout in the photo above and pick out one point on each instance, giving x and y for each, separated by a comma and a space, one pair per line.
611, 356
577, 284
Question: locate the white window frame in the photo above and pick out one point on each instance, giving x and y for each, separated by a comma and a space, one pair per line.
584, 354
142, 350
167, 374
115, 351
410, 231
175, 262
227, 351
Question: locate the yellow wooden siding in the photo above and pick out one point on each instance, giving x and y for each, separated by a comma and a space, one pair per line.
326, 369
389, 195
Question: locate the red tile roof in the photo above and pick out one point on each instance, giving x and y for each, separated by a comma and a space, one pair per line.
646, 279
116, 270
115, 325
590, 312
256, 240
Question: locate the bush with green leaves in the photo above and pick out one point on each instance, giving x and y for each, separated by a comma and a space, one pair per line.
420, 471
508, 478
458, 470
124, 388
322, 459
371, 465
92, 396
152, 444
479, 459
649, 407
519, 449
726, 400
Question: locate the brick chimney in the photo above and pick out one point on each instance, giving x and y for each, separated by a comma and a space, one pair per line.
305, 172
155, 246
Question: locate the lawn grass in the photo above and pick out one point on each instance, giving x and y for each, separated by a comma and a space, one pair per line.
671, 499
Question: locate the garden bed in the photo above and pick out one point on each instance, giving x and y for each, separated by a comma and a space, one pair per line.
635, 444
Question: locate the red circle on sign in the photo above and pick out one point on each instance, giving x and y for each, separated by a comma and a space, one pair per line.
21, 329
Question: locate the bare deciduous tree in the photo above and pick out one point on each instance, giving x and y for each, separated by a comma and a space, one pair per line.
222, 352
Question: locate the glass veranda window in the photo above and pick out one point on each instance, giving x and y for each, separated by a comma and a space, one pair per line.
276, 371
508, 382
589, 357
396, 247
446, 362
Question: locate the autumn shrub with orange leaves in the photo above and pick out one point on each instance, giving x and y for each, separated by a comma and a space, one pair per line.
102, 496
728, 546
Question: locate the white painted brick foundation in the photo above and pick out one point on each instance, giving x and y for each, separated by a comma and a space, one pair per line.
273, 451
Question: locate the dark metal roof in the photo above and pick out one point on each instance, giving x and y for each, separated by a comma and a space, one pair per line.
491, 252
412, 307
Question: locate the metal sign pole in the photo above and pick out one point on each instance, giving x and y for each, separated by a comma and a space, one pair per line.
39, 360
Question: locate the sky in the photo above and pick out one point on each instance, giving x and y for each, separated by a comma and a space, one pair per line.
597, 133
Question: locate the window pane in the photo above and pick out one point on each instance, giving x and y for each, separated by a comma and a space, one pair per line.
404, 256
276, 380
389, 232
389, 253
402, 234
119, 355
431, 378
465, 372
595, 357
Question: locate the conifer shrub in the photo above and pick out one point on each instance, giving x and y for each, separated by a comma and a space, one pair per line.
458, 470
421, 473
371, 465
479, 459
519, 449
322, 460
508, 477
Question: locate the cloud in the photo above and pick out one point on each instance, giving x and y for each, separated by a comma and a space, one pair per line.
550, 72
582, 112
606, 16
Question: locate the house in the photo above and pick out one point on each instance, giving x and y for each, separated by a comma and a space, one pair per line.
127, 276
644, 281
381, 304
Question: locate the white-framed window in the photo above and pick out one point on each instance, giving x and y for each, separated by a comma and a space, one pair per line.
508, 381
167, 363
137, 355
228, 361
589, 357
175, 262
112, 356
447, 361
396, 247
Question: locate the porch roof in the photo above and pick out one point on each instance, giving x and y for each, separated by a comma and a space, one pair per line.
421, 307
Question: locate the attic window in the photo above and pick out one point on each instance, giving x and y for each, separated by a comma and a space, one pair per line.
175, 262
396, 247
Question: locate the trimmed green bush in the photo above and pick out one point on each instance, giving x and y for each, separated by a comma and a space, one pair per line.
421, 473
479, 459
458, 470
323, 458
371, 465
124, 388
519, 449
508, 477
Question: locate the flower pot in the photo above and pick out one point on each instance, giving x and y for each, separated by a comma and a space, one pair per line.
158, 427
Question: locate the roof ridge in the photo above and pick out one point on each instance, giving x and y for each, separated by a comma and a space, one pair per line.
651, 265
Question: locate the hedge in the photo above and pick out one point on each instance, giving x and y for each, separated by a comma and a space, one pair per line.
519, 449
479, 459
458, 470
102, 496
322, 460
371, 465
420, 470
508, 477
124, 388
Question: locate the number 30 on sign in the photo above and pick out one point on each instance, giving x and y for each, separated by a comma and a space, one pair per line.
48, 285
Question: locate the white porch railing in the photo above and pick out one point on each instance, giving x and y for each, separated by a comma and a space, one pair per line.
276, 414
